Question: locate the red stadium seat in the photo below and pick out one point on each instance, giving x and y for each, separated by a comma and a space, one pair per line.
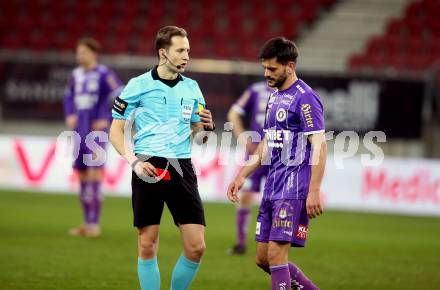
13, 40
135, 22
412, 43
356, 62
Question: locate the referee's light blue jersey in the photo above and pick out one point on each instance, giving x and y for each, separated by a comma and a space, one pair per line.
162, 114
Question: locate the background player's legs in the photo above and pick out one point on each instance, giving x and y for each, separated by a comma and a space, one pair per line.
242, 222
148, 269
95, 177
91, 200
193, 238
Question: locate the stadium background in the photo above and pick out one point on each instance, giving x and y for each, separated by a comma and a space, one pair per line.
376, 65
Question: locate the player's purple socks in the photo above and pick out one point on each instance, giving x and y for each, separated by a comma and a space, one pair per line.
86, 200
97, 201
90, 196
300, 280
242, 225
280, 277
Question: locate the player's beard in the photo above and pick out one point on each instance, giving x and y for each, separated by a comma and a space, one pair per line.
280, 81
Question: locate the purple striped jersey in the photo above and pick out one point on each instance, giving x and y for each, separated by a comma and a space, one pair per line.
89, 95
291, 116
253, 102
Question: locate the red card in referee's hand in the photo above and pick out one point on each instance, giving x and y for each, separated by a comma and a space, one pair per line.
166, 176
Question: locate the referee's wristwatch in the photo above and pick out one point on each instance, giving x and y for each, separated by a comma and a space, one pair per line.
209, 129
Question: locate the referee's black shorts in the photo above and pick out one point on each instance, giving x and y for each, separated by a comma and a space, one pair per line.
180, 193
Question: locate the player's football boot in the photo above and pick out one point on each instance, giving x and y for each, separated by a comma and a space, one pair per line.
295, 285
237, 250
85, 231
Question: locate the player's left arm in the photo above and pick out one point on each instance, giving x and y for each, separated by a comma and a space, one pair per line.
69, 107
311, 113
112, 87
318, 160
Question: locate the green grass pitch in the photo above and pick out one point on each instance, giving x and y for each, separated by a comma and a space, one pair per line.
350, 251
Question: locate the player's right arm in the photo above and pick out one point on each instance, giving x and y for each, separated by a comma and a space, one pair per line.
235, 116
123, 107
124, 148
69, 106
233, 188
239, 109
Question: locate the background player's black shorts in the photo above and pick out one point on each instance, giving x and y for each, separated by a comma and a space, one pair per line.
180, 194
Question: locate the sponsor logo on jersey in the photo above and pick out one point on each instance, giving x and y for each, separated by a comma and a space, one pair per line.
301, 233
186, 112
307, 113
281, 114
287, 96
285, 102
281, 223
289, 233
283, 213
85, 101
276, 137
92, 85
300, 89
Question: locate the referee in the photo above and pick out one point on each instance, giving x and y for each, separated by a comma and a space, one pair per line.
165, 109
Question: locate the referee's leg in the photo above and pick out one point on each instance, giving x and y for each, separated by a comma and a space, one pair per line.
148, 269
193, 238
187, 209
147, 210
148, 242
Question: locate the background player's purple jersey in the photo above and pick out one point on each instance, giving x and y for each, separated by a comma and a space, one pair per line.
253, 103
89, 95
292, 114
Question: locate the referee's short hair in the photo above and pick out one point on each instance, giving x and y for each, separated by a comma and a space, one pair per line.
164, 35
282, 48
90, 43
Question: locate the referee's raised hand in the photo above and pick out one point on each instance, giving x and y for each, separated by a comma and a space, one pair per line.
206, 119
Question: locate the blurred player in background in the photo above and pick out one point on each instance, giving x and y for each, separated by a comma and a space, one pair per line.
166, 108
252, 103
295, 142
87, 107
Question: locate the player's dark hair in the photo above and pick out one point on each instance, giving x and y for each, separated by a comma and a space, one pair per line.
282, 48
164, 35
91, 43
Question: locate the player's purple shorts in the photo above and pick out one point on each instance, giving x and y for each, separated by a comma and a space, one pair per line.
283, 220
253, 182
79, 163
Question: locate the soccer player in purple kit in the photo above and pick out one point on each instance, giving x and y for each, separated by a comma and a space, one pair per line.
87, 107
295, 143
252, 103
